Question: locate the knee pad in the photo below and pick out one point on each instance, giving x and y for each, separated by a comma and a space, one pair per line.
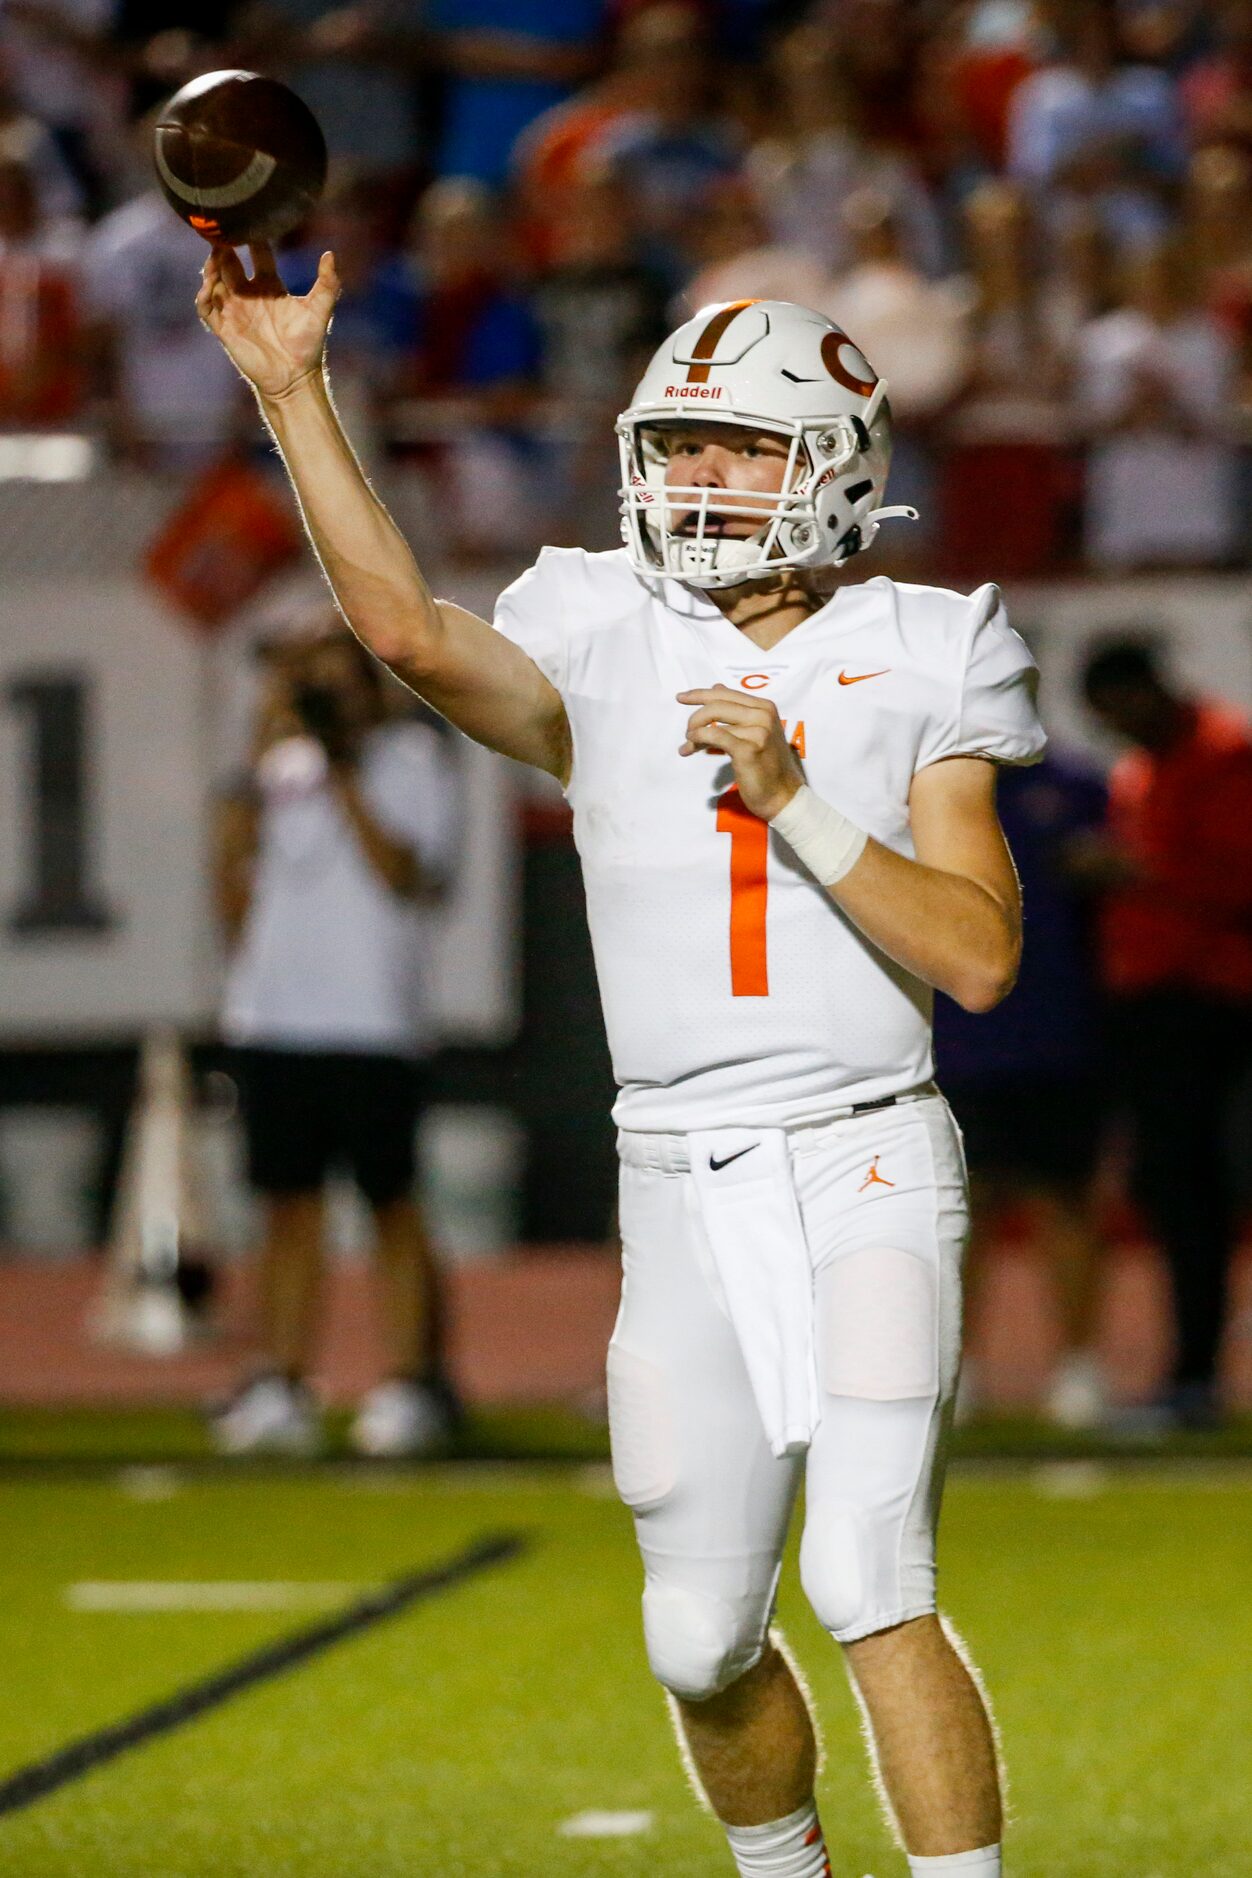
852, 1577
833, 1572
698, 1645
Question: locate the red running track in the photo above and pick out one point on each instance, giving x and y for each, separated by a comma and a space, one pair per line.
532, 1327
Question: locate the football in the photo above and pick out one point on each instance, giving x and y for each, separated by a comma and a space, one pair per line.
240, 157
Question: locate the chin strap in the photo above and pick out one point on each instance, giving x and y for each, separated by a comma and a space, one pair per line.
901, 511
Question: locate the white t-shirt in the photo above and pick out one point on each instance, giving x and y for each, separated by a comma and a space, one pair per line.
329, 957
735, 991
1154, 496
141, 270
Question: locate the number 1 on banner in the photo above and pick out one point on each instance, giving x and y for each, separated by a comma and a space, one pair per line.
749, 894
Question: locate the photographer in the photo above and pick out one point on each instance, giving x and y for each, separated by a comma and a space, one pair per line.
329, 856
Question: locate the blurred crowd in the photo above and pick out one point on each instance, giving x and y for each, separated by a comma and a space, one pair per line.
1035, 216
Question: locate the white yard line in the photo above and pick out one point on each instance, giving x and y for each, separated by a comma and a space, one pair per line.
150, 1484
604, 1825
222, 1594
1071, 1480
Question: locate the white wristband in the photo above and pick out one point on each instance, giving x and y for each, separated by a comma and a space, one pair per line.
826, 841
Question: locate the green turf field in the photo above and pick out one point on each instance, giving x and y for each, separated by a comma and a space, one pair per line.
1109, 1610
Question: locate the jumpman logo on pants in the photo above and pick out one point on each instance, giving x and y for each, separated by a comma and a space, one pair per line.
874, 1178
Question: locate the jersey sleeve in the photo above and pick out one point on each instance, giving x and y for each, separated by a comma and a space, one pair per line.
994, 712
533, 615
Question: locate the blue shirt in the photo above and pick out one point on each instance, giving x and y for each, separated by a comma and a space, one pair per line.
484, 117
1046, 1026
378, 323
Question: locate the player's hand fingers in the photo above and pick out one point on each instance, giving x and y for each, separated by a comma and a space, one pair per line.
264, 266
229, 268
730, 710
716, 738
709, 694
212, 292
327, 287
731, 705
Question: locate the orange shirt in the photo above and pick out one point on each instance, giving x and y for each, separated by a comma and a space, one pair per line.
1186, 817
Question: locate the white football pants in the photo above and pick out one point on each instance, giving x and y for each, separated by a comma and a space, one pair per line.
883, 1203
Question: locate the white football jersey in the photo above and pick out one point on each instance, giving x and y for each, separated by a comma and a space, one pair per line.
735, 991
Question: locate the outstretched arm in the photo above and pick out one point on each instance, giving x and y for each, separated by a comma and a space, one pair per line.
952, 916
475, 677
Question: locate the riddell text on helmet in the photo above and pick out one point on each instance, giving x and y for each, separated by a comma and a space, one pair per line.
694, 391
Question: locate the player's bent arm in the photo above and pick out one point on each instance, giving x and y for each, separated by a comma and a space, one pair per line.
952, 915
479, 680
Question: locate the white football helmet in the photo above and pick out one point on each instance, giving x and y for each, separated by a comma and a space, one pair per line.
774, 367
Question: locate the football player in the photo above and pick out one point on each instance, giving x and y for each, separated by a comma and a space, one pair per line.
783, 784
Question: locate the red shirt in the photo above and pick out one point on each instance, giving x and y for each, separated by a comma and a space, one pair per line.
1186, 817
41, 376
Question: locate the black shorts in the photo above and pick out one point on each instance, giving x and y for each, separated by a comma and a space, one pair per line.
307, 1113
1031, 1130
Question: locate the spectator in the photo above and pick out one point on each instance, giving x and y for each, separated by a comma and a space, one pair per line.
1155, 385
172, 396
877, 49
42, 348
476, 332
676, 146
56, 54
1004, 455
1025, 1082
815, 157
478, 343
505, 63
1219, 235
551, 156
602, 312
25, 140
357, 67
600, 308
1218, 198
1077, 285
740, 262
1177, 963
330, 854
1217, 91
376, 316
974, 73
1088, 129
913, 332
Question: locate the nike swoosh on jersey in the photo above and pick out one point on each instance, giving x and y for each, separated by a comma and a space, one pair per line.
858, 678
718, 1165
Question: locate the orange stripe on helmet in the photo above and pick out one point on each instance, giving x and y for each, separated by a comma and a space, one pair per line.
706, 344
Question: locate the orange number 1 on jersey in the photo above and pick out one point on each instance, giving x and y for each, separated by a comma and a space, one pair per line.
749, 892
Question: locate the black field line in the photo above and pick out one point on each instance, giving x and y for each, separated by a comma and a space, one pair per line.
76, 1758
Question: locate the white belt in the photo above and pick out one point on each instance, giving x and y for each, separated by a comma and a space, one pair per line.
671, 1154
